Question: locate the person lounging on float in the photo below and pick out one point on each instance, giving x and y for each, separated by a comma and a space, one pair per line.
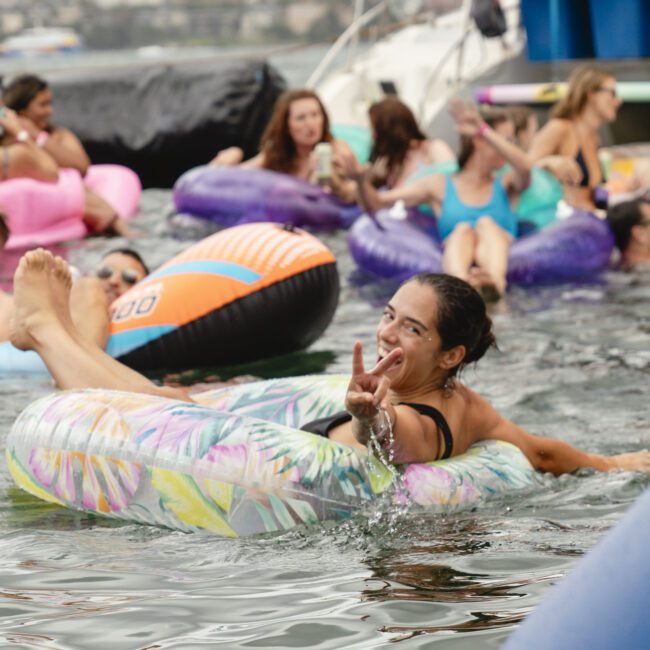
299, 123
431, 328
568, 144
92, 296
400, 150
31, 98
21, 157
630, 223
476, 219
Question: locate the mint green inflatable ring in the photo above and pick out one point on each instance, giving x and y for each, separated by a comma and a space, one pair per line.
538, 203
358, 137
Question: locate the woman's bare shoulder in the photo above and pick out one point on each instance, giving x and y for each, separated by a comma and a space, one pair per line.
558, 125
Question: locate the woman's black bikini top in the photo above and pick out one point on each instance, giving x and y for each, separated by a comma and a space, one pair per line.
323, 426
583, 168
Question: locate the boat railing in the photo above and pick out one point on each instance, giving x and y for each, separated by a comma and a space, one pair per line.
458, 48
350, 37
362, 19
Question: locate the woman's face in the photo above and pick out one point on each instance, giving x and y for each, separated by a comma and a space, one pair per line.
118, 273
305, 122
605, 101
409, 323
39, 110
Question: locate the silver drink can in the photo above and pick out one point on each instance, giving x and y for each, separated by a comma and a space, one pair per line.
323, 161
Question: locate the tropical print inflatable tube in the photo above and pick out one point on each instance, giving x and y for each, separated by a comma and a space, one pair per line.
235, 464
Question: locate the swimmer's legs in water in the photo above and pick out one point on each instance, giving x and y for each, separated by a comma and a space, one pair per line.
458, 253
492, 251
479, 256
42, 322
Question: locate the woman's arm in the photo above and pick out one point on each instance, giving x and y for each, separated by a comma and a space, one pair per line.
545, 151
469, 123
63, 145
424, 190
26, 160
402, 433
228, 157
343, 187
548, 454
66, 149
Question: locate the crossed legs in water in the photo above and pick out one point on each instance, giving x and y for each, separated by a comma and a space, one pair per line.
41, 321
479, 256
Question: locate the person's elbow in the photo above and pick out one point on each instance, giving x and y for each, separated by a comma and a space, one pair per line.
83, 167
51, 176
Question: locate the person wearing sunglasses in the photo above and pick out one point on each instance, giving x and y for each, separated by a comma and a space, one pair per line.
119, 270
568, 144
92, 296
630, 223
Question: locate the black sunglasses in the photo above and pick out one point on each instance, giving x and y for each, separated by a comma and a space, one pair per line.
611, 91
128, 275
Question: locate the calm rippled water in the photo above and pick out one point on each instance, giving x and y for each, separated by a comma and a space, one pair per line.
574, 362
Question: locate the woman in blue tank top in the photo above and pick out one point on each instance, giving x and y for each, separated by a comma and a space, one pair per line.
476, 218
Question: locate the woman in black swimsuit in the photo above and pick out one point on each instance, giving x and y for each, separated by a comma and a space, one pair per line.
568, 144
432, 327
430, 330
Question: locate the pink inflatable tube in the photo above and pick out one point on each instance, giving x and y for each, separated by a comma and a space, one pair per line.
117, 185
40, 214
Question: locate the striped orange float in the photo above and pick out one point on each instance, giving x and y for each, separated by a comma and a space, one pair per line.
245, 293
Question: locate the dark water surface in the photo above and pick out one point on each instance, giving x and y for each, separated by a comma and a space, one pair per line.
573, 362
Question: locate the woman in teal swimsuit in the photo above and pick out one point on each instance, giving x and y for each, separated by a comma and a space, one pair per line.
476, 219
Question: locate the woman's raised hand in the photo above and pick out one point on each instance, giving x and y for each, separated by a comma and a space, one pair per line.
346, 165
564, 168
467, 117
367, 390
10, 121
633, 461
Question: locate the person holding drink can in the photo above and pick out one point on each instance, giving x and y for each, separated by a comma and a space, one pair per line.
297, 141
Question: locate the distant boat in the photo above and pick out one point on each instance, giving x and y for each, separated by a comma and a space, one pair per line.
40, 41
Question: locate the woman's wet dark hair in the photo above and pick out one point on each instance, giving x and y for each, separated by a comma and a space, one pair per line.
621, 219
20, 92
395, 127
462, 318
130, 252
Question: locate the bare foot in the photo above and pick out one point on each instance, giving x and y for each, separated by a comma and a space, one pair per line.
485, 284
34, 305
61, 285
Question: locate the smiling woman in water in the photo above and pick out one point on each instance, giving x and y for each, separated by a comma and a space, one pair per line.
430, 330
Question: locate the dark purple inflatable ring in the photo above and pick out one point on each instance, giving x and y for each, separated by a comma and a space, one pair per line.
230, 196
572, 249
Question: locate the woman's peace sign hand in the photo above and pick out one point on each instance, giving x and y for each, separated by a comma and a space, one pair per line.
367, 390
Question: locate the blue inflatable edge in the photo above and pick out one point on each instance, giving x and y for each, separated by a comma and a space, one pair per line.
227, 269
13, 360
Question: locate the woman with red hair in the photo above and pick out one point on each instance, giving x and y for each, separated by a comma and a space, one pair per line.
299, 123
